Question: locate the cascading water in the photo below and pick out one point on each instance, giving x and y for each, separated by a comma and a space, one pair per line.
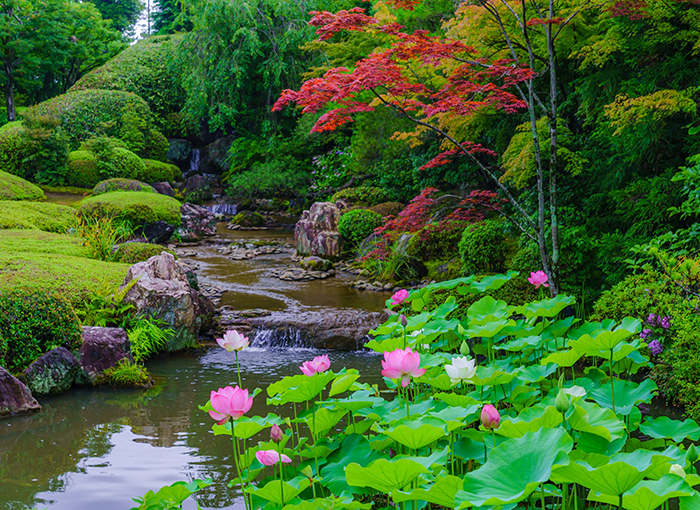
194, 162
280, 339
227, 209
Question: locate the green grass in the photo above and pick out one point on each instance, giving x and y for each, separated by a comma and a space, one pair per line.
136, 206
16, 188
54, 264
36, 215
66, 189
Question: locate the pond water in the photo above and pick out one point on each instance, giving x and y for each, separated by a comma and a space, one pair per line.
99, 447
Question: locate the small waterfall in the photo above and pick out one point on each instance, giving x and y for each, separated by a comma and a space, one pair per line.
226, 209
194, 162
280, 339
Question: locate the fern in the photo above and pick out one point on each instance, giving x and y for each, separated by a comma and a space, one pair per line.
147, 337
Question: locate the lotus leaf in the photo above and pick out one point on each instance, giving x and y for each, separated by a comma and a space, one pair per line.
342, 502
590, 417
530, 420
323, 419
627, 395
536, 373
515, 468
452, 399
666, 428
271, 490
384, 475
170, 495
246, 427
344, 382
563, 358
299, 388
547, 307
648, 494
353, 448
442, 492
491, 376
416, 434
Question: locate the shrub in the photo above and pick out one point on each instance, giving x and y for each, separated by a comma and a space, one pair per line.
83, 169
15, 147
357, 224
157, 146
13, 187
119, 184
124, 163
437, 241
157, 171
36, 215
362, 195
47, 160
271, 179
482, 248
138, 207
124, 373
131, 253
387, 209
32, 324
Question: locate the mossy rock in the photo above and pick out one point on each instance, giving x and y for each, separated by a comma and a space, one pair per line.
248, 219
138, 207
131, 253
83, 169
52, 263
157, 171
16, 188
119, 184
36, 215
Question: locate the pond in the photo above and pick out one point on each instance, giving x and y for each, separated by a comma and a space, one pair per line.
99, 447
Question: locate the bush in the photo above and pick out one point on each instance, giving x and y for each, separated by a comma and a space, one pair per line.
15, 147
13, 187
124, 163
157, 146
356, 225
482, 248
363, 195
36, 215
268, 180
32, 324
437, 241
114, 160
131, 253
119, 184
157, 171
46, 163
387, 209
83, 169
138, 207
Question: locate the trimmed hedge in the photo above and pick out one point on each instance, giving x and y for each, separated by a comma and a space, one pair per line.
119, 184
36, 215
125, 164
157, 171
83, 169
138, 207
362, 195
13, 187
356, 225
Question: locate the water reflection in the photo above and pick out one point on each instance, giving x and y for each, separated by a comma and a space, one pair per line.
99, 448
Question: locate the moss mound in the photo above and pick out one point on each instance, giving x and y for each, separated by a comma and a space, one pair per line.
138, 207
119, 184
16, 188
36, 215
248, 219
157, 171
48, 263
131, 253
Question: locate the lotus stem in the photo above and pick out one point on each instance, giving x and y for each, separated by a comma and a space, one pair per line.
542, 495
564, 491
279, 452
238, 370
612, 386
619, 504
235, 461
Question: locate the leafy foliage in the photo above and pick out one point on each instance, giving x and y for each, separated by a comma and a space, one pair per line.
482, 248
357, 224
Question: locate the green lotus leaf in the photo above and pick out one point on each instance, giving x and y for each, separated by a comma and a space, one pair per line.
491, 375
621, 351
493, 282
672, 455
456, 417
344, 382
388, 345
171, 495
471, 448
441, 381
452, 399
298, 388
416, 434
488, 308
343, 502
246, 427
442, 492
515, 468
359, 427
563, 358
520, 344
490, 328
384, 475
648, 494
609, 475
436, 460
630, 364
536, 373
592, 443
380, 409
546, 307
559, 328
690, 502
606, 337
627, 395
271, 491
523, 396
323, 419
530, 420
358, 400
666, 428
399, 412
590, 417
353, 448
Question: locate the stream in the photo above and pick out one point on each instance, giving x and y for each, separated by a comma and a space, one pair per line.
99, 447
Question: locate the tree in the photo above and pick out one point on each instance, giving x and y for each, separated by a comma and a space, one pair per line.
123, 13
15, 45
437, 82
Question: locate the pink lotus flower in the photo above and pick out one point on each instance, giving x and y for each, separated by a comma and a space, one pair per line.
538, 278
490, 418
319, 364
276, 433
228, 403
402, 363
233, 341
399, 297
271, 457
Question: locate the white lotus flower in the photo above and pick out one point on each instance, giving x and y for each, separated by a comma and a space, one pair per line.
233, 341
461, 369
677, 469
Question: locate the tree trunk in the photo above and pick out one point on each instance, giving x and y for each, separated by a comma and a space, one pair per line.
10, 93
555, 276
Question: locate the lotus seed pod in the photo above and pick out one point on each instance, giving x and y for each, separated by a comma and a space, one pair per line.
307, 472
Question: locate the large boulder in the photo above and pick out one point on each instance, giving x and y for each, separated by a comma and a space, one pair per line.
102, 348
51, 373
164, 188
197, 223
314, 263
316, 232
15, 397
163, 291
215, 156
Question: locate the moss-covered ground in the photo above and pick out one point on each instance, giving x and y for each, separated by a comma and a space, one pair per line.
16, 188
135, 206
36, 215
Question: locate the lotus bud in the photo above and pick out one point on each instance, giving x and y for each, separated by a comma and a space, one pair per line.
276, 433
677, 470
403, 320
307, 472
561, 403
490, 418
464, 348
692, 454
561, 382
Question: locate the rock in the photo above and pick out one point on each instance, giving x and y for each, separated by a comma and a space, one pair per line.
197, 223
52, 372
102, 348
163, 291
158, 232
164, 188
215, 155
316, 264
198, 188
248, 218
316, 232
179, 150
15, 397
